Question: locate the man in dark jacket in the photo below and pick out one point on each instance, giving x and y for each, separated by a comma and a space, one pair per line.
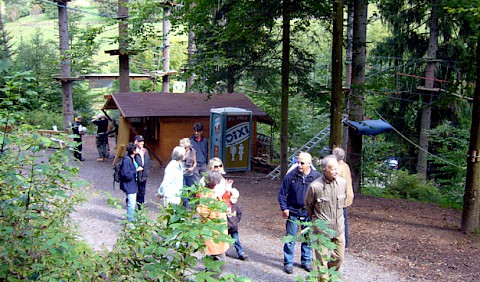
103, 127
200, 144
143, 160
79, 131
291, 198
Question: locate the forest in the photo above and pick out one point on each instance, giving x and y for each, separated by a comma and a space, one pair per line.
307, 64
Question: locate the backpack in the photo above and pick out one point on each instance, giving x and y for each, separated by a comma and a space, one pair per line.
117, 173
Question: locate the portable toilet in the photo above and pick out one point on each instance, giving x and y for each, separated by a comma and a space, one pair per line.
231, 137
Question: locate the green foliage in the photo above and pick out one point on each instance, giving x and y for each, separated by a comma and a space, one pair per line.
39, 189
411, 187
84, 44
450, 143
15, 9
36, 60
167, 248
318, 235
43, 119
19, 91
107, 7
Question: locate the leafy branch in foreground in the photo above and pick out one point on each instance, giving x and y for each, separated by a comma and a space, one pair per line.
317, 241
169, 247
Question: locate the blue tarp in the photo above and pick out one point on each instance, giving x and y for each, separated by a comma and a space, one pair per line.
370, 127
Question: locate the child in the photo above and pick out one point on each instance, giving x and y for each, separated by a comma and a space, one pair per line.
234, 215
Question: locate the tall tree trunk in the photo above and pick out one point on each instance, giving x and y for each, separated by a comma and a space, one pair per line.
65, 65
348, 66
166, 49
191, 52
471, 198
426, 118
356, 100
336, 108
123, 58
285, 87
349, 46
230, 79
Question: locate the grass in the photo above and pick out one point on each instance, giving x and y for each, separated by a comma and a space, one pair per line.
25, 27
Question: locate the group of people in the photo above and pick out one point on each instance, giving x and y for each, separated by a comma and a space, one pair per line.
135, 169
103, 131
306, 195
189, 165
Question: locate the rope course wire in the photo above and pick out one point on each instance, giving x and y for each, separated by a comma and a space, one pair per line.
417, 146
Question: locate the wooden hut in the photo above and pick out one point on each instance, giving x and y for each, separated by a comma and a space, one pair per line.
164, 118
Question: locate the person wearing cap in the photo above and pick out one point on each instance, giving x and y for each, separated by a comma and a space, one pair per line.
200, 144
103, 126
79, 131
143, 159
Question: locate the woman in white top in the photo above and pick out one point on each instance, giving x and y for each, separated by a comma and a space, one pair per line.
172, 183
225, 185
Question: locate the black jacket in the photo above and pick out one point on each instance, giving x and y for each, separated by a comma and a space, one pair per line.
143, 175
234, 215
291, 195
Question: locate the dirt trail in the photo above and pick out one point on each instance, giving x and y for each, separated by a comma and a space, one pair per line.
391, 240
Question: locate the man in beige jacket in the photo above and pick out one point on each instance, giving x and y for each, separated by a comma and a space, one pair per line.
344, 171
325, 200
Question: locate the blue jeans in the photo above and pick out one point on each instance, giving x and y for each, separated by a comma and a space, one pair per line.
346, 227
289, 248
188, 181
131, 203
237, 244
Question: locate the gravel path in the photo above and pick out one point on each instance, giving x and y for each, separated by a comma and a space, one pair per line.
100, 224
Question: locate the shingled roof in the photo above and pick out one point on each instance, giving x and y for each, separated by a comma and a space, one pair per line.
148, 104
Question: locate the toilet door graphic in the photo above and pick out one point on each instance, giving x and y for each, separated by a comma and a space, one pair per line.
231, 137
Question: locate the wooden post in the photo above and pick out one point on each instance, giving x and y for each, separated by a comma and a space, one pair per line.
191, 52
123, 59
65, 65
166, 49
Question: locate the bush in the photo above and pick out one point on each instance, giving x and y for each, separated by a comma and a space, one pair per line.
317, 241
38, 192
44, 120
411, 187
166, 249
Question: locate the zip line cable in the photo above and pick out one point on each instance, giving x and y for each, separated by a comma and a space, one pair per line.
417, 146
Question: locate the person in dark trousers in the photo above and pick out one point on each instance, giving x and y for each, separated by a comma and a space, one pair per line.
189, 165
79, 131
143, 160
128, 182
234, 216
103, 126
200, 144
291, 198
